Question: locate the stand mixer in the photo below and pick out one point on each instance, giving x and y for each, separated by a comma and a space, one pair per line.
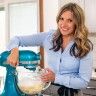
28, 59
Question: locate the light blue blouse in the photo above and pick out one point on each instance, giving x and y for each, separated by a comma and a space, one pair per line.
69, 71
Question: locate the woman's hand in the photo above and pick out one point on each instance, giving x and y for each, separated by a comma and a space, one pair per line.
48, 76
13, 57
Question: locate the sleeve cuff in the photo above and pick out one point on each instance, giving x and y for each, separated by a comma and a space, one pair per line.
62, 80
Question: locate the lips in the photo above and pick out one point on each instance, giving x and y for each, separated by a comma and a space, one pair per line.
64, 29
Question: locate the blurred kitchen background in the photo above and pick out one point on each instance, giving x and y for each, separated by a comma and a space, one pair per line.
25, 17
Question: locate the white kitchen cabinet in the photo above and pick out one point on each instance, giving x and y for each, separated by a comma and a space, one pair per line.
79, 2
89, 7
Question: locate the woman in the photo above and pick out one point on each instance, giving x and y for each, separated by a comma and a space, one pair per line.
69, 51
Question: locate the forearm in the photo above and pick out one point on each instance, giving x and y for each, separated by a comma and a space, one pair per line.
25, 41
14, 43
81, 78
74, 82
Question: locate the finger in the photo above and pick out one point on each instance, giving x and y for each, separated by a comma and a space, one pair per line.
17, 63
48, 70
11, 62
45, 79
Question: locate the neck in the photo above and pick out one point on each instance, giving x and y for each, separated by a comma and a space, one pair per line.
66, 40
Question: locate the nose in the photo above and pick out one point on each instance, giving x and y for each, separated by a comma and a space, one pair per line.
64, 23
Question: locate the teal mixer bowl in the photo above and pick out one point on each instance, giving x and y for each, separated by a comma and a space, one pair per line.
28, 59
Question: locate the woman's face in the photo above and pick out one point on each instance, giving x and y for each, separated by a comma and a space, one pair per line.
66, 23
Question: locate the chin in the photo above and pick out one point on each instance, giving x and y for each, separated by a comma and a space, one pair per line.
65, 34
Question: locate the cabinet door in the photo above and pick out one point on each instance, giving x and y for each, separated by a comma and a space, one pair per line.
79, 2
90, 6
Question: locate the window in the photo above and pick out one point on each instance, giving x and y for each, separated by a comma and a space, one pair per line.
18, 18
23, 19
2, 30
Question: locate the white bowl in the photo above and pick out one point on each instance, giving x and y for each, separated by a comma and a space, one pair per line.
29, 82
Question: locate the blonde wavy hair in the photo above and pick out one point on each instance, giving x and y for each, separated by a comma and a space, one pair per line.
82, 45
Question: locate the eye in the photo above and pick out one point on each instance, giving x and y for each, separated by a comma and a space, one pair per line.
61, 18
70, 20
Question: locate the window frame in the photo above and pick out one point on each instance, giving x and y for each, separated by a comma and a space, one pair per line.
6, 3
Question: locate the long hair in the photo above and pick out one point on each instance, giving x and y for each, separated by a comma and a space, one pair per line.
82, 45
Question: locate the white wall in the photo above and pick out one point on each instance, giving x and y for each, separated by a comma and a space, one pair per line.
50, 12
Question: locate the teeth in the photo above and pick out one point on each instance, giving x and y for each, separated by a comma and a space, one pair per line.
64, 29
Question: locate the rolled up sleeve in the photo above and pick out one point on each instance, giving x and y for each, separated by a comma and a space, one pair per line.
79, 80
